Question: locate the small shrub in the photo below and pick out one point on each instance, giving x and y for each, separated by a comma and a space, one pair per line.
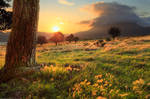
108, 39
70, 38
100, 41
114, 32
42, 40
76, 39
103, 44
57, 37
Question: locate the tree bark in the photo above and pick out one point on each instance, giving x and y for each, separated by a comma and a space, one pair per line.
56, 43
21, 46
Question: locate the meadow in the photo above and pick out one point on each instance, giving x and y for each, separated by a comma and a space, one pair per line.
82, 70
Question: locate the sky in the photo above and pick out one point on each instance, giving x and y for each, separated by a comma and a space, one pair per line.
66, 15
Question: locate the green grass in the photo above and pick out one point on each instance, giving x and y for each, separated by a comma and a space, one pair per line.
119, 71
2, 55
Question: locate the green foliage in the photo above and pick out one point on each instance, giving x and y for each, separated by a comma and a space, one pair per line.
4, 3
42, 40
71, 38
114, 32
5, 16
76, 39
57, 37
118, 71
108, 39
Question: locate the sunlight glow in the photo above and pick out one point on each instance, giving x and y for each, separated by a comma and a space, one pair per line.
56, 29
61, 23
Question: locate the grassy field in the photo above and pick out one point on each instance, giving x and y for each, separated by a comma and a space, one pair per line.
119, 70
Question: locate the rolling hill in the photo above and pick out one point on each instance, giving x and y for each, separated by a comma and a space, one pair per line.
4, 36
127, 29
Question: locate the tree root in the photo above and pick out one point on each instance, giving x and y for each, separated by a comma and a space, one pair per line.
9, 74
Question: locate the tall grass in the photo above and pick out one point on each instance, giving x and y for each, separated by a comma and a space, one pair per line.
119, 70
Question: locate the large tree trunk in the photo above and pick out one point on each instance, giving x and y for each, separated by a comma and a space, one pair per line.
22, 41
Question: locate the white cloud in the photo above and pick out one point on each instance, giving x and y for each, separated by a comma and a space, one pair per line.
65, 2
108, 13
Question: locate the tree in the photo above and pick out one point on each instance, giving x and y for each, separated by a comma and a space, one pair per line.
76, 39
5, 16
41, 40
108, 39
22, 41
70, 38
57, 37
114, 32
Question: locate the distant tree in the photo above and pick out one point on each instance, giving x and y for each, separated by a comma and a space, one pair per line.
70, 38
57, 37
100, 41
108, 39
76, 39
41, 40
5, 16
21, 47
114, 32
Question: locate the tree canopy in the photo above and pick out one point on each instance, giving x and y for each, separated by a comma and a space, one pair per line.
57, 37
70, 38
5, 16
114, 32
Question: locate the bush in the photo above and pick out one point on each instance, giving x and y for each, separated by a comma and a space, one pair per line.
114, 32
108, 39
103, 44
70, 38
76, 39
42, 40
99, 43
57, 37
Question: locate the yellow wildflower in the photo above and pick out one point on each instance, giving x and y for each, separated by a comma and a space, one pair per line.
140, 81
69, 68
52, 79
101, 87
88, 83
96, 85
94, 93
100, 97
135, 87
100, 81
124, 94
82, 83
106, 82
148, 84
147, 96
110, 85
98, 76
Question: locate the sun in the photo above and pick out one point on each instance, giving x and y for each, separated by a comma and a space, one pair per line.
56, 29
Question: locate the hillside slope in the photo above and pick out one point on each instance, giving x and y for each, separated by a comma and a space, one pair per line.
127, 29
119, 70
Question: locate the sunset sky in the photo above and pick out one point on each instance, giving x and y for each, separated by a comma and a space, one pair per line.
67, 14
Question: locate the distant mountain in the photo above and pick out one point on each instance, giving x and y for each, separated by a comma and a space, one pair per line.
46, 34
127, 29
4, 37
49, 35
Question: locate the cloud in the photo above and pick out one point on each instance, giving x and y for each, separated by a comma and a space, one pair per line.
147, 20
110, 13
65, 2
